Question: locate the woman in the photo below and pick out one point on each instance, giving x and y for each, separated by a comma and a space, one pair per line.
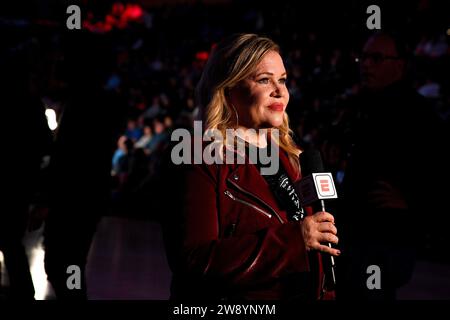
229, 235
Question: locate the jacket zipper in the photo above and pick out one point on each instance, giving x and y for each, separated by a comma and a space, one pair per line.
255, 197
229, 194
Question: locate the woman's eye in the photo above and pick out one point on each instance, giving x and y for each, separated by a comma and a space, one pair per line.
263, 80
282, 80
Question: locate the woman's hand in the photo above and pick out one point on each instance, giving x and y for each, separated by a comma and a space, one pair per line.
318, 230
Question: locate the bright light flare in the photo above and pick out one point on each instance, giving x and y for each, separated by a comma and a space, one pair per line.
51, 119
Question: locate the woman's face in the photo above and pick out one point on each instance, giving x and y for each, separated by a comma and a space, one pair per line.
261, 99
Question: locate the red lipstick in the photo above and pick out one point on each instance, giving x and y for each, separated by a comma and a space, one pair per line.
276, 107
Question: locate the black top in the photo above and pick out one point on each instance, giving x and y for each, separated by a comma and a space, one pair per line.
281, 186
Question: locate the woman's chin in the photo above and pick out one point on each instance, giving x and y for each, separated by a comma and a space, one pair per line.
270, 122
276, 122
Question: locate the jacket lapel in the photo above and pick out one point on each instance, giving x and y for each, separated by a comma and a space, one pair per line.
248, 178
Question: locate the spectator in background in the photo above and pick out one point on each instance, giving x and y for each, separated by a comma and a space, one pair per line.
433, 47
430, 89
145, 141
120, 152
122, 156
80, 185
133, 132
26, 138
160, 135
393, 140
154, 109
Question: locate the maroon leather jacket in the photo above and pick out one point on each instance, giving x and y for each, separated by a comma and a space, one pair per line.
227, 238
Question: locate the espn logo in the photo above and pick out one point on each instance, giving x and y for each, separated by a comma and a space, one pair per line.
324, 185
317, 186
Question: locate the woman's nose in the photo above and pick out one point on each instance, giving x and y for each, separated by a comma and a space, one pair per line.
277, 90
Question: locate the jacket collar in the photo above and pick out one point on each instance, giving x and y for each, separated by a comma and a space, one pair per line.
248, 178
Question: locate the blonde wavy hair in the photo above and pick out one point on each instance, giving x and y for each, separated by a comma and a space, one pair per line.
231, 61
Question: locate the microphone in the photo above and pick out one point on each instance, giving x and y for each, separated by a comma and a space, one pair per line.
315, 187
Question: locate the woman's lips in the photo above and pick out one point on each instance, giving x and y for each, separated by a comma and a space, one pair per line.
276, 107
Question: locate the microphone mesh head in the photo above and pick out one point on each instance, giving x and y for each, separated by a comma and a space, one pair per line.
311, 162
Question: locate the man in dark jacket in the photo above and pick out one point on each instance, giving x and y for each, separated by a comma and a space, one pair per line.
392, 139
26, 138
80, 185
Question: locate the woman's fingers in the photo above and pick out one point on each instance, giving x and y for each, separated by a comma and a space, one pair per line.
327, 237
327, 227
323, 216
323, 248
318, 231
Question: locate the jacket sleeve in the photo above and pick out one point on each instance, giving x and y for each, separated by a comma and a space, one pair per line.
240, 261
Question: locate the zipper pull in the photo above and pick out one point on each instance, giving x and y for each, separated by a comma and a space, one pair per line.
228, 193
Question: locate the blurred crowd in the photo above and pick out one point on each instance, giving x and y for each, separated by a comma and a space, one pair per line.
160, 59
155, 54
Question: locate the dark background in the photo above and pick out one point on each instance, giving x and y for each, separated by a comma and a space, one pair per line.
137, 62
